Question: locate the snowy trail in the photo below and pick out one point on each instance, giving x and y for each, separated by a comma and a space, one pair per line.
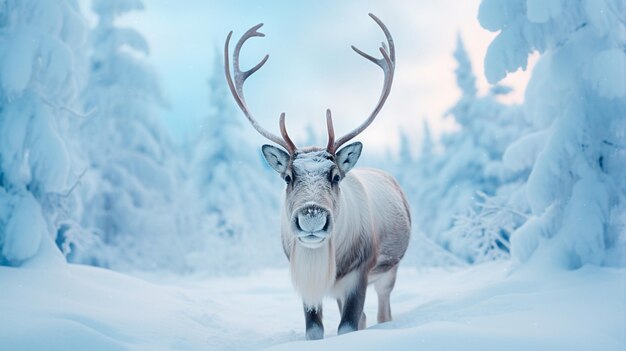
85, 308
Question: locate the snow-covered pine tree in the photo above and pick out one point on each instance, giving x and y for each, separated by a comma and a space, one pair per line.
130, 187
448, 183
465, 78
405, 153
402, 164
237, 193
311, 136
40, 60
576, 100
428, 145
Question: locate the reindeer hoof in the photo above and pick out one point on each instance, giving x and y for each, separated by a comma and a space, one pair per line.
345, 328
315, 333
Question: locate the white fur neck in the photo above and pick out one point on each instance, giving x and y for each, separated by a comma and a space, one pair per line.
313, 271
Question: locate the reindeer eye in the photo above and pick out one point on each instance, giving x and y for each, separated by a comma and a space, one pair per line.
336, 178
287, 179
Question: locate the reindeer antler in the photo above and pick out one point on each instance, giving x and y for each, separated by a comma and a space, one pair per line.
236, 87
387, 63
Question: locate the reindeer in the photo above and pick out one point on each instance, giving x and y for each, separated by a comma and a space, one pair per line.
341, 229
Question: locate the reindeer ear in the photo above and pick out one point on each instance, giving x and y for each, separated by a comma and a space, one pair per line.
276, 158
347, 156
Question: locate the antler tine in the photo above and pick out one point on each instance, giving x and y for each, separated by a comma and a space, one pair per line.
240, 77
236, 84
331, 133
387, 63
392, 51
291, 147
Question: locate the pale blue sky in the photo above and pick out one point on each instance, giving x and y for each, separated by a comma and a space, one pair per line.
311, 65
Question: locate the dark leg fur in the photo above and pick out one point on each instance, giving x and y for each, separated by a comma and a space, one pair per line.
313, 320
352, 311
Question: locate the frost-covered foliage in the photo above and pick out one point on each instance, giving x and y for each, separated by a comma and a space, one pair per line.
405, 154
576, 99
130, 185
443, 186
40, 57
483, 232
236, 193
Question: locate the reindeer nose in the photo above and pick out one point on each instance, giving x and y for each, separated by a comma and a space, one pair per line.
312, 219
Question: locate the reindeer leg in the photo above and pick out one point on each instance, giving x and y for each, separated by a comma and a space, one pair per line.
313, 320
384, 285
352, 316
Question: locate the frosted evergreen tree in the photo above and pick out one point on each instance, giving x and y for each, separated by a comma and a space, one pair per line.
465, 78
576, 100
451, 187
406, 157
403, 164
413, 171
417, 178
129, 189
311, 136
428, 145
40, 64
236, 191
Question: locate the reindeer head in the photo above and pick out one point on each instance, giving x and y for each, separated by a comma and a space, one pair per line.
314, 174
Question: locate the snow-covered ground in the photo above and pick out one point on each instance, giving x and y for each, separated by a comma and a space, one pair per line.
486, 307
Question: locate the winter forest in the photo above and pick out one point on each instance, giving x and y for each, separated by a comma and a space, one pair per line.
137, 210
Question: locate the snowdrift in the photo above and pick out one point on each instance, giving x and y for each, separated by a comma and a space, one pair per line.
481, 308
